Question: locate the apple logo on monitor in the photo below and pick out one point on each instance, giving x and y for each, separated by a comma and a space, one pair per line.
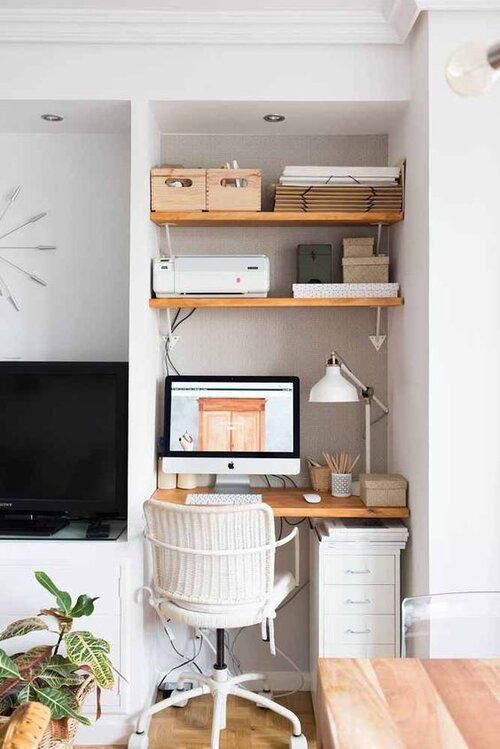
230, 465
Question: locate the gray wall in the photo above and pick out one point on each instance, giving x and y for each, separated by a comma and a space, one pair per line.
282, 341
288, 341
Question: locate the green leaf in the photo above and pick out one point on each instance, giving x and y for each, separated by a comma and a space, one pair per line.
8, 687
26, 694
60, 666
22, 627
61, 703
7, 704
29, 662
86, 650
63, 599
84, 606
56, 681
8, 668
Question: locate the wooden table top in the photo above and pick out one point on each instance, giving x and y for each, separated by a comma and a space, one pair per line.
396, 703
290, 503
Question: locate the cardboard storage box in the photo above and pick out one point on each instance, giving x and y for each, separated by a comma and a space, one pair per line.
365, 269
383, 489
178, 189
358, 246
234, 189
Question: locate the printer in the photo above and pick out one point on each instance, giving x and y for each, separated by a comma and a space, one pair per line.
211, 276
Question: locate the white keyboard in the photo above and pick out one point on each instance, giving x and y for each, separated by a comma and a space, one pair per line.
223, 499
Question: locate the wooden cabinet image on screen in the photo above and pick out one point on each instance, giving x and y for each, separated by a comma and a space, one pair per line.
232, 424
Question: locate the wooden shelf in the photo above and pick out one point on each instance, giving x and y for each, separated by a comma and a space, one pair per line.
190, 302
271, 218
290, 503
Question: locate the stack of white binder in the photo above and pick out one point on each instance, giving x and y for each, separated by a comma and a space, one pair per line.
361, 530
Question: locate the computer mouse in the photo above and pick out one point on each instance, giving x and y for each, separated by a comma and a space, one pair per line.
313, 499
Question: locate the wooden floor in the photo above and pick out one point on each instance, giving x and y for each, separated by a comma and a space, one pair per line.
248, 727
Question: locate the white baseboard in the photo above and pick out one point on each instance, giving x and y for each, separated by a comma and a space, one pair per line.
110, 729
283, 681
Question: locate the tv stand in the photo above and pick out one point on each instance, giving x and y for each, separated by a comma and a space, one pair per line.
28, 525
97, 529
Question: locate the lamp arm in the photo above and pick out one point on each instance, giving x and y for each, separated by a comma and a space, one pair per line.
361, 385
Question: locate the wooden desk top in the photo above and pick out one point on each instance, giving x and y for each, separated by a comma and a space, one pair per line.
396, 703
290, 503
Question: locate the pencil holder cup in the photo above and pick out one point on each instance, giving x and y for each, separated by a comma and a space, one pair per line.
341, 484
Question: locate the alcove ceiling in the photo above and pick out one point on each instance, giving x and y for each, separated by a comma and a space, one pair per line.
301, 118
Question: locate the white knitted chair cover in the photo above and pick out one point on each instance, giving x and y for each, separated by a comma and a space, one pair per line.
212, 558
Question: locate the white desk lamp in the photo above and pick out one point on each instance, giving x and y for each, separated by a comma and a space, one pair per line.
335, 387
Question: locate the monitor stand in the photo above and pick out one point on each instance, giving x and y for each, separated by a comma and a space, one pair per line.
227, 483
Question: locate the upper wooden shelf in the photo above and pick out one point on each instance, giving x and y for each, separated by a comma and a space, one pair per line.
270, 301
290, 503
271, 218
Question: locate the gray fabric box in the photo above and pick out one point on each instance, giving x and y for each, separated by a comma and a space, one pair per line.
383, 489
365, 269
358, 246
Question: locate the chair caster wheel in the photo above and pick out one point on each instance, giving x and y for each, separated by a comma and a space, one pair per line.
298, 742
138, 741
265, 693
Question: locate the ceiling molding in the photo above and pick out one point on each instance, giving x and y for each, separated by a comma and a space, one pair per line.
172, 27
475, 5
401, 15
390, 23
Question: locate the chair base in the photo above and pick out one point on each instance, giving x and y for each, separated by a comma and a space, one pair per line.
220, 685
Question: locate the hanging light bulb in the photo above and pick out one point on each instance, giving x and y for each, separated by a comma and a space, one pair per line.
472, 70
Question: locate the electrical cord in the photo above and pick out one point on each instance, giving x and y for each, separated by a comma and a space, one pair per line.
168, 363
299, 522
185, 663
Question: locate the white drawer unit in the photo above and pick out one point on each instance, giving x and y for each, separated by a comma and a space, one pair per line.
359, 629
359, 599
358, 569
355, 600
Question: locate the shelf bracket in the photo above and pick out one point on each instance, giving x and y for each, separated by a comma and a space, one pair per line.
379, 239
378, 340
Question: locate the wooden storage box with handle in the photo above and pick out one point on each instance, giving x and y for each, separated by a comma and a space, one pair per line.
234, 189
178, 189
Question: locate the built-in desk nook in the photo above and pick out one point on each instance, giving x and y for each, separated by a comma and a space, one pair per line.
291, 503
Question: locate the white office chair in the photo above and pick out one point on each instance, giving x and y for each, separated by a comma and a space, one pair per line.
451, 625
214, 567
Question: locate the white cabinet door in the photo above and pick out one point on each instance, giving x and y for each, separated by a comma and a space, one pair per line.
23, 596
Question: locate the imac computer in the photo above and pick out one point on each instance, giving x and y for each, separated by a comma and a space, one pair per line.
232, 427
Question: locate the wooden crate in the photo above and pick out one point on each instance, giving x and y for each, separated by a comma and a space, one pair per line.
178, 189
224, 195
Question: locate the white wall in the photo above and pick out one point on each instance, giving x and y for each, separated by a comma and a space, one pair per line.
82, 181
329, 72
343, 73
408, 440
464, 340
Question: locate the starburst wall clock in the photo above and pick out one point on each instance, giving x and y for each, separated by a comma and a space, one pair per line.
5, 239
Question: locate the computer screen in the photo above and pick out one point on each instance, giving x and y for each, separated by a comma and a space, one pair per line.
245, 416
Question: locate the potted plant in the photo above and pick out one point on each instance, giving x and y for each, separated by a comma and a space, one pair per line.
59, 675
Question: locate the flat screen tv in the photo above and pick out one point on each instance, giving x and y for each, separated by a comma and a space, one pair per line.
63, 438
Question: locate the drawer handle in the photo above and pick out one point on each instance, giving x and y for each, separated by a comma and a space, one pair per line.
349, 601
358, 631
366, 571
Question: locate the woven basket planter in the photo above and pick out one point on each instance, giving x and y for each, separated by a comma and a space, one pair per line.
61, 734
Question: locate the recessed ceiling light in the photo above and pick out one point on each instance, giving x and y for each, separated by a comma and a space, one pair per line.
52, 117
274, 117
